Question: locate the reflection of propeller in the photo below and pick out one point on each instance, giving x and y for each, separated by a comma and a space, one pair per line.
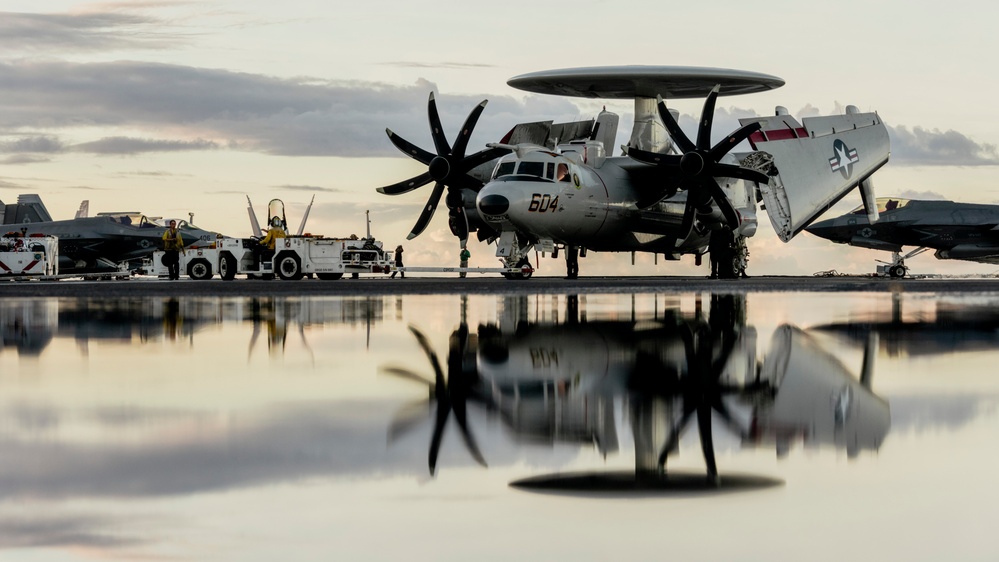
452, 393
449, 168
708, 347
696, 169
702, 391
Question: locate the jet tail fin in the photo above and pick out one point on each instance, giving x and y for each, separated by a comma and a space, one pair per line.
305, 217
29, 208
254, 225
84, 210
816, 163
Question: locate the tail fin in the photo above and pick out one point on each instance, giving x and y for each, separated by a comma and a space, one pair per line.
254, 225
84, 210
29, 208
301, 228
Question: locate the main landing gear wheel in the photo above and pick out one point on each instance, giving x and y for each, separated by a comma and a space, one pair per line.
897, 271
525, 270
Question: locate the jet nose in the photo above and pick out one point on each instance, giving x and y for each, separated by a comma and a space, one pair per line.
494, 205
824, 229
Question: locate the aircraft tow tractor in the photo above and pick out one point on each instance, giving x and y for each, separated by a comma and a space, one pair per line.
29, 257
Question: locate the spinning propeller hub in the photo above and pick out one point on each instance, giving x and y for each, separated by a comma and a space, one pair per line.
439, 168
692, 163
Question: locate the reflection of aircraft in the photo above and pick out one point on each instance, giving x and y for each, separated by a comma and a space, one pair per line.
554, 382
29, 325
957, 231
949, 327
100, 243
560, 187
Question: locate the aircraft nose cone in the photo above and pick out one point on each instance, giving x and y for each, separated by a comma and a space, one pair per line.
824, 229
494, 204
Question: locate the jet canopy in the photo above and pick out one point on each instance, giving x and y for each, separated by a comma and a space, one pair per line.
884, 204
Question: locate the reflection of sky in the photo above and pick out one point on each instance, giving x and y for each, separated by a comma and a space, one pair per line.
197, 447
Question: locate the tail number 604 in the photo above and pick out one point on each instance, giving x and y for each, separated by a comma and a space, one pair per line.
543, 203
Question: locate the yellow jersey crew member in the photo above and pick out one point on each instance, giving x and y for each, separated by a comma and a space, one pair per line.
173, 246
273, 233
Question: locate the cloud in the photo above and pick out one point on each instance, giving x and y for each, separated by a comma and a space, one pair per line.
46, 144
84, 32
62, 531
24, 159
458, 65
127, 146
295, 116
309, 188
939, 148
174, 108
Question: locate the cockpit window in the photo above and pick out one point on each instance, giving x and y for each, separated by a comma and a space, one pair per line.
884, 204
536, 169
563, 173
504, 169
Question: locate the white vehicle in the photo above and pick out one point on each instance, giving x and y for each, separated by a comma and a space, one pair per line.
293, 258
36, 255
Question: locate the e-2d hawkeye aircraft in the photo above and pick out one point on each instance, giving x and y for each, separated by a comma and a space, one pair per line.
95, 244
668, 195
957, 231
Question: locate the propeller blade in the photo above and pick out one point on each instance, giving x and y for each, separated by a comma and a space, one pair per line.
707, 443
428, 211
707, 117
436, 131
481, 157
411, 150
407, 185
723, 411
733, 171
723, 202
443, 409
459, 223
725, 145
406, 419
405, 374
674, 435
675, 132
461, 143
460, 415
687, 224
431, 355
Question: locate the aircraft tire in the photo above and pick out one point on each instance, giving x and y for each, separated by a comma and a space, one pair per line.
897, 271
199, 269
329, 276
289, 267
227, 267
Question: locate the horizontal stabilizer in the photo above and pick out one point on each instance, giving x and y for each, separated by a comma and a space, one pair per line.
816, 163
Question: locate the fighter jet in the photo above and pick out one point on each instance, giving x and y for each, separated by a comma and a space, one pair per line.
94, 244
957, 231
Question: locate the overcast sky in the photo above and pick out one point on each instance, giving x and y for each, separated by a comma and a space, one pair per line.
176, 107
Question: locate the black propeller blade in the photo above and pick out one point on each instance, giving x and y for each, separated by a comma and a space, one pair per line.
451, 393
448, 168
696, 169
